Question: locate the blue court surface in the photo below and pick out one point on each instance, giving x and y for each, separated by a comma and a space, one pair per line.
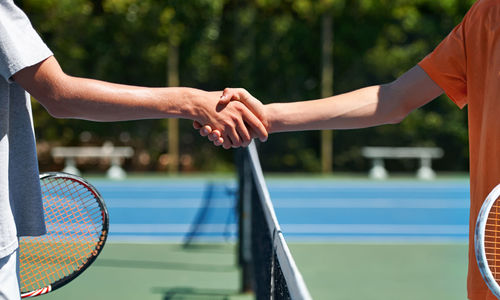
309, 210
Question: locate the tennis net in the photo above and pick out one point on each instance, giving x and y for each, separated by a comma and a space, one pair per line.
268, 269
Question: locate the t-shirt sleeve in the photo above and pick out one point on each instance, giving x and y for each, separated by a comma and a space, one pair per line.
446, 65
20, 44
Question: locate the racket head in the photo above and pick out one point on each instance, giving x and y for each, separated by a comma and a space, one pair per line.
77, 227
487, 241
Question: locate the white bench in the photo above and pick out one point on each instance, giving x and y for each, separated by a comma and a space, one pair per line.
115, 154
425, 154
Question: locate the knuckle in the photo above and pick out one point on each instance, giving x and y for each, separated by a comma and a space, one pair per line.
240, 107
235, 119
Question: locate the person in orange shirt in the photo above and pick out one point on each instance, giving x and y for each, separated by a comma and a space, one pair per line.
465, 66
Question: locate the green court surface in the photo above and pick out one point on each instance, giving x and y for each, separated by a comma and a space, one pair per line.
331, 271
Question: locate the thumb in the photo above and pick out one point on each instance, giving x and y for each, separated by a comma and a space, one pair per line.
227, 95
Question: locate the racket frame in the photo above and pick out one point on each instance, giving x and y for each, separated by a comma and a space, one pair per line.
479, 243
102, 239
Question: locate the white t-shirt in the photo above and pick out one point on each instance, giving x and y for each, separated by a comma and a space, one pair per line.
21, 211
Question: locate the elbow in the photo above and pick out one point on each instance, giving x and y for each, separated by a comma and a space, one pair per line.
56, 110
54, 105
55, 100
398, 115
397, 109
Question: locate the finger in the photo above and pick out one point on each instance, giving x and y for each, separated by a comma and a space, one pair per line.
245, 144
196, 125
205, 130
224, 100
219, 142
215, 135
253, 104
252, 135
243, 133
226, 144
227, 95
255, 126
234, 136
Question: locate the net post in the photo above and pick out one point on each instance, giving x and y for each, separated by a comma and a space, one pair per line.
244, 228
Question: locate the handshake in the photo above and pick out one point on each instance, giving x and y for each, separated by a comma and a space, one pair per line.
241, 118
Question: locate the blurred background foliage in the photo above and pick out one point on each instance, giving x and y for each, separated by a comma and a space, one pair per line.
270, 47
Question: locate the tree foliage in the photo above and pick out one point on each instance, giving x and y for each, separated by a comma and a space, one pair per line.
270, 47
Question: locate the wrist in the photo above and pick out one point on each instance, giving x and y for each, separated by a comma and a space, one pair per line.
192, 104
186, 103
272, 115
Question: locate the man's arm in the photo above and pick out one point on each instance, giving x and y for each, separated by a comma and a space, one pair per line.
366, 107
72, 97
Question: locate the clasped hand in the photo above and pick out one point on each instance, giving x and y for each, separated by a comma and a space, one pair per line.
242, 129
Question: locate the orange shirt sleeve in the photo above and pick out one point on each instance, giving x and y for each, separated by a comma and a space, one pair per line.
447, 65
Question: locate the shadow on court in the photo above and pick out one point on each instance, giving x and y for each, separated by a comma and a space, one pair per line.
162, 265
181, 293
166, 271
207, 248
184, 259
157, 272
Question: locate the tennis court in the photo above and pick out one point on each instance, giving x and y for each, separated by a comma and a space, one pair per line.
351, 239
308, 209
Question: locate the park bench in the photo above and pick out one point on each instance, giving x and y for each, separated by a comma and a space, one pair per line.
425, 154
106, 151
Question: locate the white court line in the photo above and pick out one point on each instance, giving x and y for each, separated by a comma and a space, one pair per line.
362, 239
302, 228
371, 203
165, 203
294, 203
374, 229
169, 228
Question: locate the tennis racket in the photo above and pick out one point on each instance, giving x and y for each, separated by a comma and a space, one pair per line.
77, 226
487, 241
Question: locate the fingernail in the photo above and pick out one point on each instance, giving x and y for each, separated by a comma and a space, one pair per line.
223, 97
214, 135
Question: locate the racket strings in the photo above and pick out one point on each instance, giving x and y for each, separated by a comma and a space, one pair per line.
492, 240
74, 226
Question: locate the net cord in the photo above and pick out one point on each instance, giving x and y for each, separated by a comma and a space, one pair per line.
479, 241
296, 284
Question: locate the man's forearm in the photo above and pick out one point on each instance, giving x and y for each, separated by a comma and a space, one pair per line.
73, 97
102, 101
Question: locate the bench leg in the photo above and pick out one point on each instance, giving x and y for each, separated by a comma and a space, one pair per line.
115, 171
70, 166
378, 170
425, 172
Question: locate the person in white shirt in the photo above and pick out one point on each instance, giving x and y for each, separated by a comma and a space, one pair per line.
28, 66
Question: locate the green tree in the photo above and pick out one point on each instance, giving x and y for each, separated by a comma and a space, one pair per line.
270, 47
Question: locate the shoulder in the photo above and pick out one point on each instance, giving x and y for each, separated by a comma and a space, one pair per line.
482, 18
488, 10
487, 3
7, 8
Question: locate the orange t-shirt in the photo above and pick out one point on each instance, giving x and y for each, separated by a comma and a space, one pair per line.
466, 65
